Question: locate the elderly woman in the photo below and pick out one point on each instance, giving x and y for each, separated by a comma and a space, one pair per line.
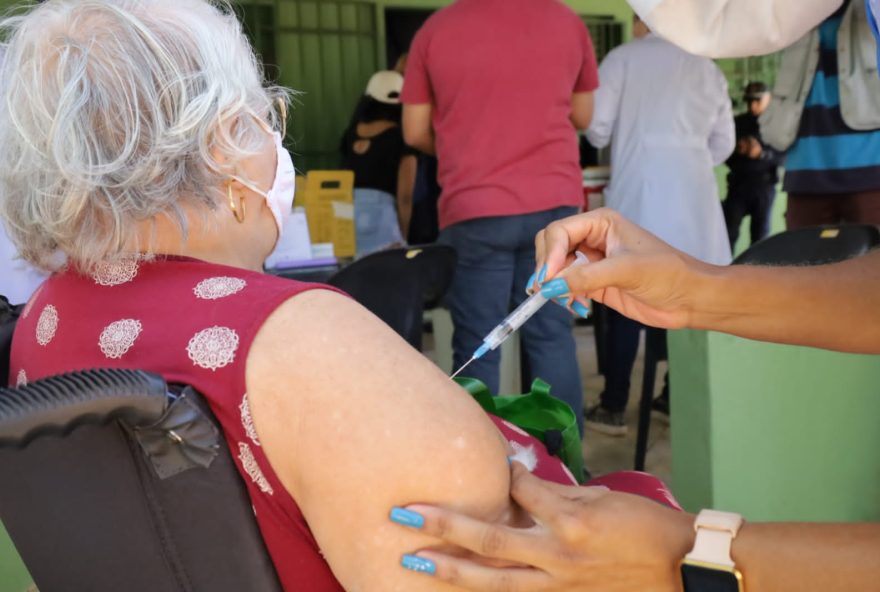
140, 142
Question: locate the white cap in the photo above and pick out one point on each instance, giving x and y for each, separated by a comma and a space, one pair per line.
385, 86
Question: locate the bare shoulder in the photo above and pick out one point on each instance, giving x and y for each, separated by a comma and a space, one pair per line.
355, 421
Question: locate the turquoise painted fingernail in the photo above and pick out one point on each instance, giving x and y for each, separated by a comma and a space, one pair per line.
542, 274
563, 302
581, 310
407, 517
530, 283
555, 288
418, 564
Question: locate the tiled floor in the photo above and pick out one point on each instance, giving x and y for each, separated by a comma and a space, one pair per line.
603, 453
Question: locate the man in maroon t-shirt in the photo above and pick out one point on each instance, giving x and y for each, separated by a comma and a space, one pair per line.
496, 88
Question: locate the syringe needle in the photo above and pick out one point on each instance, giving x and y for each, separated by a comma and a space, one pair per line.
457, 372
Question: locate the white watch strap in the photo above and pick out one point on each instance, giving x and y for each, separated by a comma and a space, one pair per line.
715, 533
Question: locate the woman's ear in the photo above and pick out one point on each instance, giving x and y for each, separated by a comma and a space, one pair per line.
238, 187
221, 145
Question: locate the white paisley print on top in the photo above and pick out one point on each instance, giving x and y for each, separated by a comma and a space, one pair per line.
118, 337
47, 324
247, 421
113, 273
218, 287
21, 378
246, 456
213, 348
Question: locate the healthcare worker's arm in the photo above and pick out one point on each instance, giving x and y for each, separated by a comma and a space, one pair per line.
722, 139
828, 306
606, 104
733, 28
586, 539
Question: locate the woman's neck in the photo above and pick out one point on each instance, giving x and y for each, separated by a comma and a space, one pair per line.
222, 246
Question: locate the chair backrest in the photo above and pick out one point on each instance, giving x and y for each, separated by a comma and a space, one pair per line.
397, 284
812, 246
111, 482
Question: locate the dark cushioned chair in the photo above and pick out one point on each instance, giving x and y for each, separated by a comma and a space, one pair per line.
113, 481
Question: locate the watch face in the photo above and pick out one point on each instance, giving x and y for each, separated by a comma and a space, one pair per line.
705, 579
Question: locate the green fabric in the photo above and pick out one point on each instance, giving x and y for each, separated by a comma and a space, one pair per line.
537, 412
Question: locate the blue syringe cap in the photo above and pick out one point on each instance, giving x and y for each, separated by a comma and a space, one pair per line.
481, 351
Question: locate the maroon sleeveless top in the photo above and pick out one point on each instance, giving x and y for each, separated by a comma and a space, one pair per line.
193, 323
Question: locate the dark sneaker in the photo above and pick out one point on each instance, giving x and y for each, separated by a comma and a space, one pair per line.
605, 422
660, 409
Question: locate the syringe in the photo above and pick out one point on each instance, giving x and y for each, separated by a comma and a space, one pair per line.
515, 320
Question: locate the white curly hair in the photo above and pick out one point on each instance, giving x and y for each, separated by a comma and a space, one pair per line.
112, 112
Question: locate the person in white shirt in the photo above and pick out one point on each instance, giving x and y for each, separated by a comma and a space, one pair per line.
590, 539
668, 117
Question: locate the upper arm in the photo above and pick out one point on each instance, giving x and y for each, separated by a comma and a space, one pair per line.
606, 104
417, 130
406, 175
418, 95
722, 139
587, 80
582, 109
733, 28
355, 421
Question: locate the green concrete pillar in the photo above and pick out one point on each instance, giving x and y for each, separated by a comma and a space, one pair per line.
14, 576
774, 432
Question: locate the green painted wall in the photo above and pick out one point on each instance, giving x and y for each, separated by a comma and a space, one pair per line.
774, 432
13, 575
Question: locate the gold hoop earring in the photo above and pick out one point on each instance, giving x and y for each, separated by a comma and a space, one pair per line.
239, 212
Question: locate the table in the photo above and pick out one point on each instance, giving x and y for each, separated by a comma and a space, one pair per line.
317, 275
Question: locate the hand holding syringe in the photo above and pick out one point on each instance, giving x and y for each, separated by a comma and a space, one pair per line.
515, 320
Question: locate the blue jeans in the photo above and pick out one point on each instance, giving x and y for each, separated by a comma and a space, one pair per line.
375, 221
622, 345
496, 257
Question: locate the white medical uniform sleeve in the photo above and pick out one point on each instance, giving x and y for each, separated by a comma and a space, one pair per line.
722, 138
733, 28
606, 101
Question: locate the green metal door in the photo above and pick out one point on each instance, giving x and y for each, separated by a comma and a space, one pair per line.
326, 50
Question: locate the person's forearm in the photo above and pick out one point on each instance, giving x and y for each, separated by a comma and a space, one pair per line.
424, 143
406, 186
404, 213
808, 557
829, 306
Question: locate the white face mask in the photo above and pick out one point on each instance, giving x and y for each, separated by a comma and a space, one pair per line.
280, 196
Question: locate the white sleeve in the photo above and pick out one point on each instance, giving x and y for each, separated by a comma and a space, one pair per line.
606, 104
733, 28
722, 138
